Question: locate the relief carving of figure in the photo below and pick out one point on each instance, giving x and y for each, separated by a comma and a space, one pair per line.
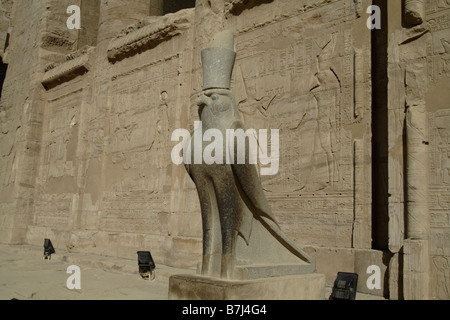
326, 92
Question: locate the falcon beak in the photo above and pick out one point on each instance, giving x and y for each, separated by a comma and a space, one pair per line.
203, 100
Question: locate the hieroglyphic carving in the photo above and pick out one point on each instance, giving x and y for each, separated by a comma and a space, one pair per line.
416, 256
304, 215
416, 73
362, 87
57, 174
440, 140
147, 88
61, 136
434, 6
297, 72
141, 101
418, 223
362, 205
314, 89
440, 175
327, 99
137, 211
439, 202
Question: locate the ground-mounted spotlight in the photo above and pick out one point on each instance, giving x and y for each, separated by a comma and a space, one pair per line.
146, 265
48, 249
345, 286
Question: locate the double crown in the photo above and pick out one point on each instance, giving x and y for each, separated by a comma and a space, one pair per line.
218, 61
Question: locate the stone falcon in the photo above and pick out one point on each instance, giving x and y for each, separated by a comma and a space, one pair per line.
241, 238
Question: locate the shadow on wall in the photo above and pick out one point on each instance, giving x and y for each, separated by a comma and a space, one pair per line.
3, 68
171, 6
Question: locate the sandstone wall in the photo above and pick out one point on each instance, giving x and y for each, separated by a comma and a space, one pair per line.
418, 71
106, 179
21, 118
5, 20
87, 116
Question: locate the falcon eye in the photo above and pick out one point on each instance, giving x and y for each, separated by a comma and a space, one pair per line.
215, 96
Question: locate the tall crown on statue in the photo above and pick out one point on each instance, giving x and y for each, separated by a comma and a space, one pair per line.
218, 61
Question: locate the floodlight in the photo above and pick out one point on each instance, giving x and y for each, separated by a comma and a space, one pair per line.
345, 286
48, 249
146, 265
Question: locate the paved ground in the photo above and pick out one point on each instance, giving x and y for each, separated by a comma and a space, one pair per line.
24, 275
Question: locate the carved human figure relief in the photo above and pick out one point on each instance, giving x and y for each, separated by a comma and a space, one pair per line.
326, 91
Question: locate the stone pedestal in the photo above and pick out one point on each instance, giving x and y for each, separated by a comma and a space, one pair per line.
298, 287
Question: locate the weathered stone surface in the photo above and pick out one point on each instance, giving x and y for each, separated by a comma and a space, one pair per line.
414, 12
237, 6
75, 65
148, 33
415, 55
302, 287
416, 273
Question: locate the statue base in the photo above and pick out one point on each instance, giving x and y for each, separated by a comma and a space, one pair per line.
297, 287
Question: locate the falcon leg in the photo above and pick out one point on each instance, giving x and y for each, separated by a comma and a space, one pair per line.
212, 246
230, 219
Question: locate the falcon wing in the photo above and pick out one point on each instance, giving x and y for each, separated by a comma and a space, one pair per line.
248, 181
249, 185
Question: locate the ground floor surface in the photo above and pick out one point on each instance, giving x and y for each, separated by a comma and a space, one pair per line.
25, 275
